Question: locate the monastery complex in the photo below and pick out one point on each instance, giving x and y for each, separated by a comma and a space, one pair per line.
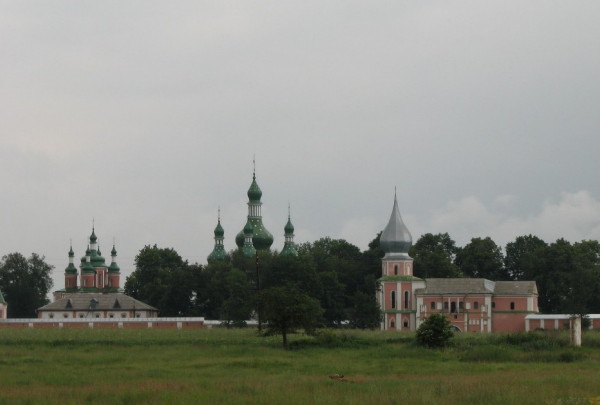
93, 295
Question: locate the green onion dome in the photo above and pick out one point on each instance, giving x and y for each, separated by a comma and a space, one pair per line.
87, 268
288, 228
96, 259
219, 232
71, 269
254, 192
93, 237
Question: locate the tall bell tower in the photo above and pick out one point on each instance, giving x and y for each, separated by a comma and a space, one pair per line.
396, 295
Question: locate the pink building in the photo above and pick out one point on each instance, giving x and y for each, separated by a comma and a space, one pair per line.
475, 305
3, 307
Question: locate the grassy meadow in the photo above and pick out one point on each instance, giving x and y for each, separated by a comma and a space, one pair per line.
219, 366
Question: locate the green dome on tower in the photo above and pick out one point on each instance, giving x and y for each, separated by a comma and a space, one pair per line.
262, 239
288, 228
71, 269
254, 192
219, 231
289, 247
218, 253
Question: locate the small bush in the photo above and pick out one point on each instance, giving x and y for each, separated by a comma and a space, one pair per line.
435, 331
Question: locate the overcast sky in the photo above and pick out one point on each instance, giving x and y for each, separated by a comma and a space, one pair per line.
145, 116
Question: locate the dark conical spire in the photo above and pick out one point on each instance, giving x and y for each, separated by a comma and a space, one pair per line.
396, 239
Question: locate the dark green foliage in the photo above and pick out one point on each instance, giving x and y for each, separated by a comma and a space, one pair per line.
521, 256
434, 255
343, 270
162, 279
482, 258
365, 312
286, 310
567, 276
24, 282
237, 306
435, 331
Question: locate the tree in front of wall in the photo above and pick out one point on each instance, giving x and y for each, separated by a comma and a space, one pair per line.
435, 331
25, 283
286, 310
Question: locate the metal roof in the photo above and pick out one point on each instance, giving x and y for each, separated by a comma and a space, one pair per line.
97, 302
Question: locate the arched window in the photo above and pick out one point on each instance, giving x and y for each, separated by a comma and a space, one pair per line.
395, 269
461, 305
432, 304
453, 307
392, 324
446, 305
405, 299
476, 305
393, 299
512, 305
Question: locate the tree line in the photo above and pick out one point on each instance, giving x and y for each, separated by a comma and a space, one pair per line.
336, 275
343, 280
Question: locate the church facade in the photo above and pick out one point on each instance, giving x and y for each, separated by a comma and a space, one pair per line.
94, 291
471, 304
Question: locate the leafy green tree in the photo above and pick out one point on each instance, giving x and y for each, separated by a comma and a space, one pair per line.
296, 271
585, 278
372, 258
342, 271
435, 331
433, 256
237, 306
522, 255
287, 310
365, 312
482, 258
332, 299
211, 289
162, 279
552, 274
25, 283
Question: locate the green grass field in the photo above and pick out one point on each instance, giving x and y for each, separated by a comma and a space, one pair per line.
218, 366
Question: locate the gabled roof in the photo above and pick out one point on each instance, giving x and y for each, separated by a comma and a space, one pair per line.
437, 286
515, 288
448, 286
97, 302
